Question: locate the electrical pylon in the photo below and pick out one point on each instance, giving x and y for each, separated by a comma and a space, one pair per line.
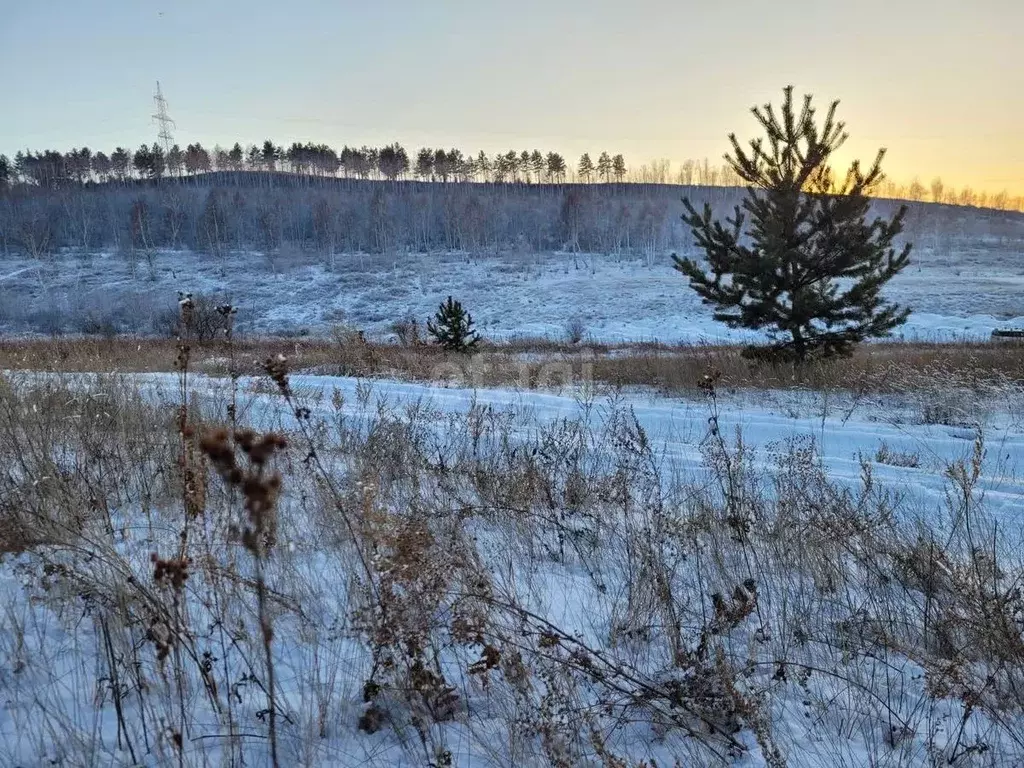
163, 120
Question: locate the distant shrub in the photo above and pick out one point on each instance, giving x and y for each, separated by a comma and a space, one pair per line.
575, 330
97, 324
346, 335
407, 330
205, 324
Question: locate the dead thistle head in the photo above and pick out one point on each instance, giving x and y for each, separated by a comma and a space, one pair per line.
277, 369
709, 381
172, 572
259, 488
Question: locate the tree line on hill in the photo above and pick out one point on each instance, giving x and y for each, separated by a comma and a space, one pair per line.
52, 168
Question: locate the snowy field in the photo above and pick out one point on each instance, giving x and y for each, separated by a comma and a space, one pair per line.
844, 428
957, 290
503, 577
864, 704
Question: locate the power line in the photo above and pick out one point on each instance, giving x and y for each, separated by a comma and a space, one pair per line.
163, 120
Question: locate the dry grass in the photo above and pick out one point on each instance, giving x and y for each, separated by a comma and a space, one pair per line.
373, 584
539, 363
474, 595
74, 456
884, 367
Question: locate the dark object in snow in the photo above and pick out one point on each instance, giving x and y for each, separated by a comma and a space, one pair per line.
1008, 333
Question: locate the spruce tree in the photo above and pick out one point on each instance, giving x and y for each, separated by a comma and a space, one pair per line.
809, 267
452, 327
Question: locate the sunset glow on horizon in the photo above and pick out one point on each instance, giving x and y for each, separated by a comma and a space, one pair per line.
939, 83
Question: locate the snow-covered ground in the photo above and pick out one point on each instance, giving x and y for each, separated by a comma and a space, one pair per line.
956, 290
844, 428
822, 721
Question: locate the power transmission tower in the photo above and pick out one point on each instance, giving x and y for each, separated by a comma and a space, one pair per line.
163, 120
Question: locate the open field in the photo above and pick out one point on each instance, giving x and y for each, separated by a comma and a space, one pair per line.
744, 574
603, 538
959, 289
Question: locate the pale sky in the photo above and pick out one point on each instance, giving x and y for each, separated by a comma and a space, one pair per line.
940, 83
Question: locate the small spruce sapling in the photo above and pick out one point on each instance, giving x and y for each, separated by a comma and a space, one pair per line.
452, 327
